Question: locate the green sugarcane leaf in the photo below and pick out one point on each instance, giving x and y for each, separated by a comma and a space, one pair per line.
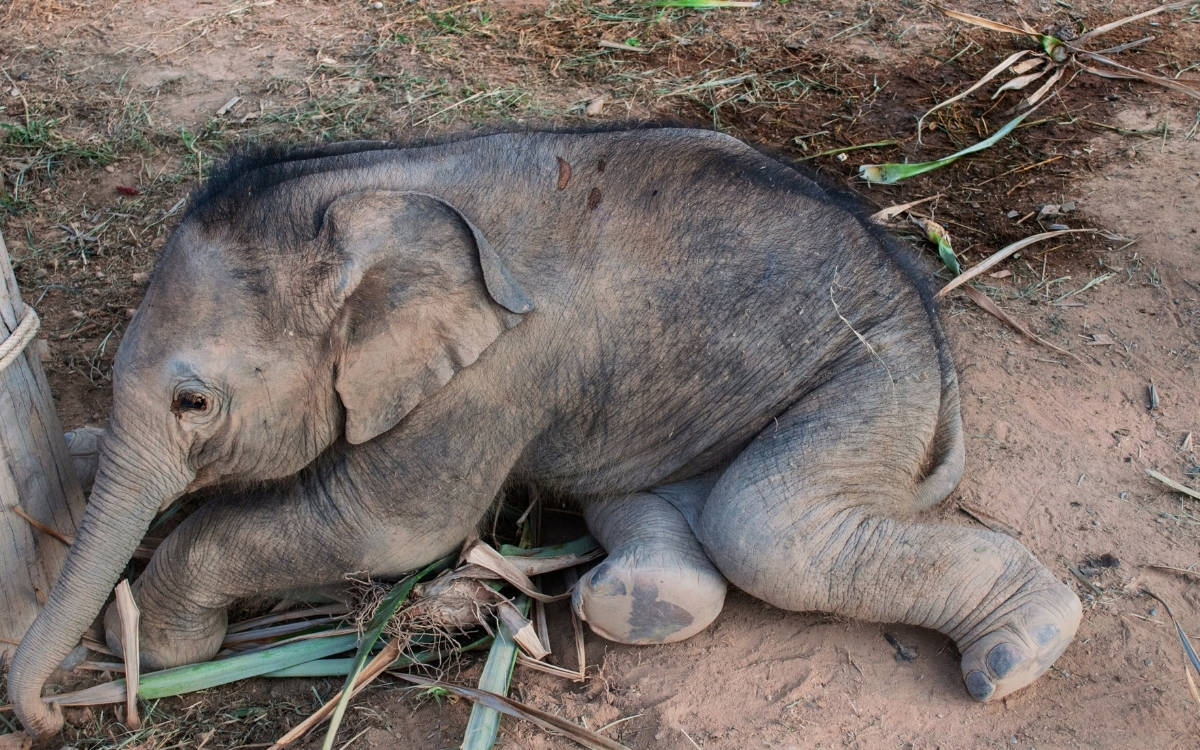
342, 667
888, 174
192, 677
581, 546
484, 723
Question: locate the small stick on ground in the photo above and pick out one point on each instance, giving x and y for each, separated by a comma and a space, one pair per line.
1083, 579
988, 521
988, 305
1172, 569
884, 215
1173, 484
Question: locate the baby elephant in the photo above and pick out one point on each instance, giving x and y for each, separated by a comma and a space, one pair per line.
735, 377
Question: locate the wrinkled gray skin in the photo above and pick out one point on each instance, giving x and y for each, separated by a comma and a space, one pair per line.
737, 379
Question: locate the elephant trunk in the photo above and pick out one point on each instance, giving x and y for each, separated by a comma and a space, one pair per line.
125, 498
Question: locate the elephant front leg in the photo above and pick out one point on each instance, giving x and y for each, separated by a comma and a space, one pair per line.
253, 545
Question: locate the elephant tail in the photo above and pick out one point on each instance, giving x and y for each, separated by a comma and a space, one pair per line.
945, 460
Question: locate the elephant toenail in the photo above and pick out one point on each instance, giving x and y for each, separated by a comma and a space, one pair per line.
979, 686
1045, 633
1001, 659
606, 581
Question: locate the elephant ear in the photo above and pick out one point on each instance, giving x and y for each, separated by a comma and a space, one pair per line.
422, 295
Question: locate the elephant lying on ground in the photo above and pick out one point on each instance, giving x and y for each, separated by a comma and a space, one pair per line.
733, 375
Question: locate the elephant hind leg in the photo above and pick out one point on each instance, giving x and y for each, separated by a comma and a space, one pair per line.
817, 514
656, 585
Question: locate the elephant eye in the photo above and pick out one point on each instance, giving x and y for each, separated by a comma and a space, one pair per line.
190, 401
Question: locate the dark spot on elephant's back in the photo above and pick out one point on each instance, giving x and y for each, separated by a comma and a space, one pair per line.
650, 619
564, 173
593, 199
600, 165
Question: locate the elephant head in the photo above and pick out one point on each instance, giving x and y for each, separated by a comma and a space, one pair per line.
279, 320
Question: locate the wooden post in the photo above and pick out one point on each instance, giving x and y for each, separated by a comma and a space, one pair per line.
37, 480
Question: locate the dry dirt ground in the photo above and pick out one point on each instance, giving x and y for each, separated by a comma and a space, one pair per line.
111, 111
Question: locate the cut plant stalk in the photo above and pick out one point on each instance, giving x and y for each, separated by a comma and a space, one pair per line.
937, 234
306, 654
129, 614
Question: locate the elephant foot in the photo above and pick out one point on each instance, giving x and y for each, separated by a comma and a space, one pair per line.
656, 585
169, 644
83, 446
1019, 640
627, 601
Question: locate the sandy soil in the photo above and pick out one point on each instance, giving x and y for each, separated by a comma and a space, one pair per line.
135, 96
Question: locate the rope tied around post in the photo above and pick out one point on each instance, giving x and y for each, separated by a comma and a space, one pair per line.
11, 347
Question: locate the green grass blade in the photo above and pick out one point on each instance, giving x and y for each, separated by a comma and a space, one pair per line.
387, 608
192, 677
484, 723
888, 174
